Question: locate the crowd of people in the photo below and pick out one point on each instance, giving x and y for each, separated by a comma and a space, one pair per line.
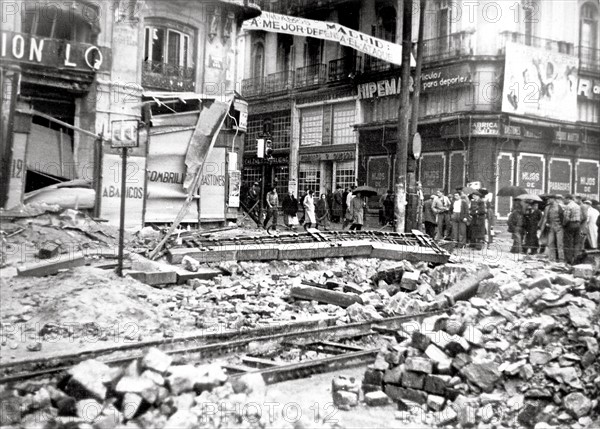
560, 227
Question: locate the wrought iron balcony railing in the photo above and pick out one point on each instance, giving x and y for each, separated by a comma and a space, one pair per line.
589, 59
279, 82
537, 42
373, 64
168, 76
253, 86
454, 45
344, 68
315, 74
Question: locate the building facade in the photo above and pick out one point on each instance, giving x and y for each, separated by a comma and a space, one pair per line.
509, 95
74, 73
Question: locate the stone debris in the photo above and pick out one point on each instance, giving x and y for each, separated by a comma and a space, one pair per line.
519, 354
345, 392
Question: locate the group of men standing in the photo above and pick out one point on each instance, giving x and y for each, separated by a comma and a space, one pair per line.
458, 218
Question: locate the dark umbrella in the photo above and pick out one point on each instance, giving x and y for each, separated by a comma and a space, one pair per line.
366, 191
511, 191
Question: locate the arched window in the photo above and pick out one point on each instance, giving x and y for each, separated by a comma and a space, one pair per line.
258, 60
588, 32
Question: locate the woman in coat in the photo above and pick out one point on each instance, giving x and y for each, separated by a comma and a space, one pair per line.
357, 211
337, 206
478, 213
309, 210
322, 212
531, 219
289, 205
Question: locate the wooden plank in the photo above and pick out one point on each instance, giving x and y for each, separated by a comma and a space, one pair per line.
465, 288
46, 268
238, 369
311, 293
256, 362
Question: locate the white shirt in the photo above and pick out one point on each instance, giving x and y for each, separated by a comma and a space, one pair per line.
349, 198
457, 206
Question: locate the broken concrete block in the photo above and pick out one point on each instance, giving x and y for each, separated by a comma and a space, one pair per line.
346, 384
542, 283
436, 384
410, 280
418, 364
131, 405
583, 271
156, 360
445, 417
190, 264
49, 250
420, 341
484, 375
398, 393
436, 403
376, 399
394, 375
88, 409
182, 419
413, 380
143, 386
47, 268
510, 289
457, 344
88, 380
539, 357
344, 400
185, 378
373, 376
438, 356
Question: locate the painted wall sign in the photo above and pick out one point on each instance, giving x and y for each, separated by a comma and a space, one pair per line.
559, 176
382, 88
566, 136
540, 83
327, 156
433, 172
530, 173
511, 130
587, 176
446, 77
110, 202
589, 88
485, 128
457, 170
235, 184
378, 173
212, 185
504, 177
25, 48
252, 160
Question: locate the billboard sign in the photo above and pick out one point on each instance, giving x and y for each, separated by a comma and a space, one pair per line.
540, 83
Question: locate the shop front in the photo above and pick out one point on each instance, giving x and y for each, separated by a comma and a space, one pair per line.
326, 168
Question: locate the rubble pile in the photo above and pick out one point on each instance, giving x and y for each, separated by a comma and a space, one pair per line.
153, 391
520, 353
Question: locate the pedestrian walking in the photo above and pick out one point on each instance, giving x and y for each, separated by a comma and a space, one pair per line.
344, 202
515, 227
572, 226
289, 206
348, 214
252, 200
441, 208
592, 225
322, 212
478, 213
309, 210
552, 226
531, 220
459, 219
388, 207
301, 202
429, 219
337, 206
272, 204
357, 212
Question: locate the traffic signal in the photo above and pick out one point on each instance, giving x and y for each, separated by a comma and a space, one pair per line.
268, 149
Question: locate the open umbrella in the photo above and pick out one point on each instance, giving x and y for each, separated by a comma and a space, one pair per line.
529, 197
511, 191
366, 191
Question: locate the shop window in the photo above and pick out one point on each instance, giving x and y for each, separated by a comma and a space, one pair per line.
311, 129
281, 131
253, 131
281, 176
309, 177
57, 23
344, 117
344, 174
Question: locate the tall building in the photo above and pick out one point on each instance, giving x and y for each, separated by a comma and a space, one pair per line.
510, 94
74, 74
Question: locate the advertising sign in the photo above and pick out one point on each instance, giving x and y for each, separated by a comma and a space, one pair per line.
378, 173
540, 82
110, 202
587, 175
485, 128
235, 183
445, 77
559, 176
530, 173
457, 170
504, 178
589, 88
302, 27
433, 172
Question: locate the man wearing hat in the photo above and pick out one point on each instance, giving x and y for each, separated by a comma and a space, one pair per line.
592, 225
552, 224
572, 226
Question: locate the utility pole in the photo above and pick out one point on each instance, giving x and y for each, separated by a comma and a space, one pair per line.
403, 117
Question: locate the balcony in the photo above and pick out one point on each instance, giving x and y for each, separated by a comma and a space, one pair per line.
279, 82
168, 77
343, 68
452, 46
253, 86
589, 60
536, 42
315, 74
373, 64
